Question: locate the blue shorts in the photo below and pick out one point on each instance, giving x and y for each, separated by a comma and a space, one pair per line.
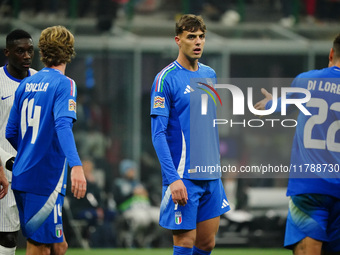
207, 200
315, 216
40, 216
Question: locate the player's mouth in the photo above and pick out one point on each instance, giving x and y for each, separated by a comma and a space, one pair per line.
26, 64
197, 50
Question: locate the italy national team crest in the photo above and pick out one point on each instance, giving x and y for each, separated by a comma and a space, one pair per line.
59, 230
158, 102
178, 217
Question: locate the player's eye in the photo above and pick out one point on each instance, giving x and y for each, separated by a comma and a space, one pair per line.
20, 51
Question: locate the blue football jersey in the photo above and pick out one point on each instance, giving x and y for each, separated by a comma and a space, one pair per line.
191, 136
40, 165
315, 156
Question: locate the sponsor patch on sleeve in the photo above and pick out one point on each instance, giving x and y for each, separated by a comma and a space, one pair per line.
72, 105
159, 102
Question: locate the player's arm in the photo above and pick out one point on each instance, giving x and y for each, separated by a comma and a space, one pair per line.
178, 189
12, 128
66, 139
3, 182
267, 102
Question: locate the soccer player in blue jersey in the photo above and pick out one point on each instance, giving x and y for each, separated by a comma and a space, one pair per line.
313, 222
186, 141
40, 129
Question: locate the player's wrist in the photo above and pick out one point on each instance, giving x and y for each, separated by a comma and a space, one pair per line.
9, 164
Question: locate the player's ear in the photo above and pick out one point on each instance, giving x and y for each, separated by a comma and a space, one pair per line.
177, 40
6, 52
331, 58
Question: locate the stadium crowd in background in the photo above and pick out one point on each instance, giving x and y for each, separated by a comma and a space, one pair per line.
138, 220
228, 13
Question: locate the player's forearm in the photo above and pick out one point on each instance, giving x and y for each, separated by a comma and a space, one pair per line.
12, 130
160, 144
12, 136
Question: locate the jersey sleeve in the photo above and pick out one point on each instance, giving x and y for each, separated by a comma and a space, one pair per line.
158, 127
160, 98
12, 128
63, 126
65, 103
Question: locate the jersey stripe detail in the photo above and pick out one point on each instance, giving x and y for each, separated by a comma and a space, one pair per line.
162, 75
73, 89
165, 200
177, 64
35, 222
181, 165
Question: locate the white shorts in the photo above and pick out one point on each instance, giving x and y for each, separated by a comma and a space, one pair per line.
9, 215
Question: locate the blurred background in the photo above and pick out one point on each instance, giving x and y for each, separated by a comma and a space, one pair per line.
121, 45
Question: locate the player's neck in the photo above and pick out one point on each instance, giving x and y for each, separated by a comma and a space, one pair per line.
16, 73
189, 64
60, 67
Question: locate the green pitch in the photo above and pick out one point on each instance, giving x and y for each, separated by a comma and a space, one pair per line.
217, 251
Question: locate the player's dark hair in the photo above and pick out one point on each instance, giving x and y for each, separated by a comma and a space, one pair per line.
336, 46
16, 35
191, 23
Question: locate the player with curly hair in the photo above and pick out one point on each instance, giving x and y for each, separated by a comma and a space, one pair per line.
40, 128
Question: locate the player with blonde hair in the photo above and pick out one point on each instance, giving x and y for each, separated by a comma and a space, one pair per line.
40, 128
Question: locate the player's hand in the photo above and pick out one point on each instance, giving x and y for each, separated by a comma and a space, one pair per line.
3, 183
261, 105
78, 182
179, 192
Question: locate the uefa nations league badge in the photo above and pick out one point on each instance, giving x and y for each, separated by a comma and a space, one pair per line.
178, 217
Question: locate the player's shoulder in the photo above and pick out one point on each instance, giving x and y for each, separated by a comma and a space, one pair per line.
207, 69
169, 70
166, 75
68, 79
2, 71
328, 72
32, 71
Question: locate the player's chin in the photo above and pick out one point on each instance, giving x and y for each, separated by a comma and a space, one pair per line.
197, 56
25, 67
